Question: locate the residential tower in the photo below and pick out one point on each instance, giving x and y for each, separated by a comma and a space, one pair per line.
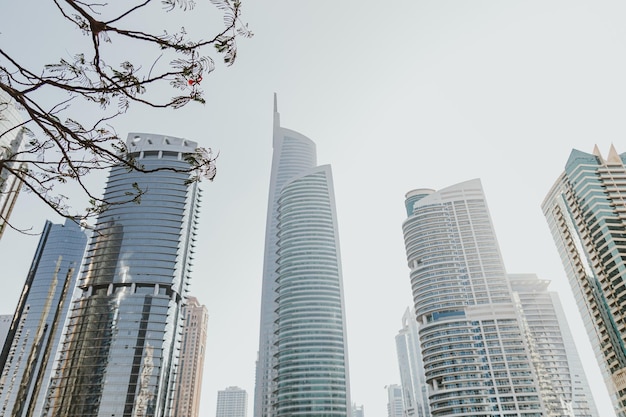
586, 213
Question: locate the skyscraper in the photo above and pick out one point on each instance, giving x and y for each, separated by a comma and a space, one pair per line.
119, 354
37, 324
11, 142
5, 322
358, 411
302, 366
475, 355
586, 212
413, 380
191, 362
565, 389
395, 406
232, 402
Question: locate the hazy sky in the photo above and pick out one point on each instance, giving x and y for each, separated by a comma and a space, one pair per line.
397, 95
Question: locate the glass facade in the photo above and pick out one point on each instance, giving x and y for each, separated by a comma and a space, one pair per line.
119, 354
293, 154
476, 360
37, 324
302, 367
586, 213
311, 355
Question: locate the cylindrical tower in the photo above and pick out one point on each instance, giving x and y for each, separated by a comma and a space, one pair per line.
475, 358
118, 355
311, 354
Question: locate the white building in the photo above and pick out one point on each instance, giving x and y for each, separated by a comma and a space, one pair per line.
358, 411
412, 378
566, 391
232, 402
473, 346
11, 142
395, 404
294, 154
302, 367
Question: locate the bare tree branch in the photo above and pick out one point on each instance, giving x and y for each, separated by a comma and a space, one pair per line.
62, 147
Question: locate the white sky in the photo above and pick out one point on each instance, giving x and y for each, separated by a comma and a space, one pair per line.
397, 95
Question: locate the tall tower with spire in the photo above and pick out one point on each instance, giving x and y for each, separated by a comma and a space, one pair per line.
586, 212
302, 366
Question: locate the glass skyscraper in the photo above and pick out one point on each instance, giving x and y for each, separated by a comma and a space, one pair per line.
475, 355
302, 368
119, 354
36, 327
586, 213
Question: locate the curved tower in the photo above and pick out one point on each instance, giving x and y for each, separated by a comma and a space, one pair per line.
475, 356
118, 357
311, 356
301, 279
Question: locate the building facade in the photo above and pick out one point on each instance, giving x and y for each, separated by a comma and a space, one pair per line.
302, 367
5, 323
11, 142
232, 402
586, 213
395, 403
358, 411
565, 389
37, 325
475, 355
123, 335
191, 361
412, 377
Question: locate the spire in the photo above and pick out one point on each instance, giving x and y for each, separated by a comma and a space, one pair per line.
596, 152
613, 157
276, 118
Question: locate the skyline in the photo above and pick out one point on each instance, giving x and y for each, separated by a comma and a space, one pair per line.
487, 90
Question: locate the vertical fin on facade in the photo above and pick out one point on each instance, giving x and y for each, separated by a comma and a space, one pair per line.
596, 152
613, 157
